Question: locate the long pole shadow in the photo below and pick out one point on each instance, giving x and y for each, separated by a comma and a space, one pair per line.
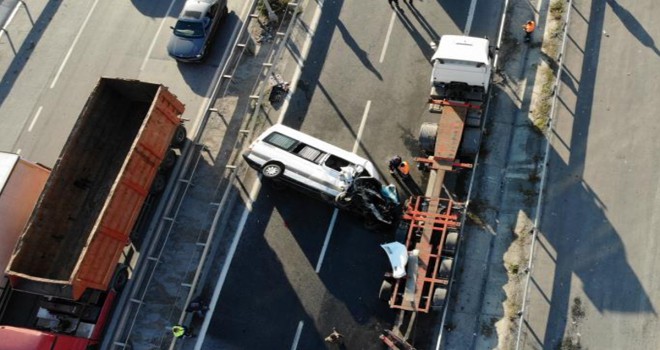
634, 27
361, 54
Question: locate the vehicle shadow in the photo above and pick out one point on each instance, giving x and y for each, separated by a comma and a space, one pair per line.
155, 9
199, 76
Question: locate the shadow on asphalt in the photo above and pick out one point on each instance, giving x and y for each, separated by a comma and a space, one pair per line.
23, 52
273, 276
610, 283
200, 75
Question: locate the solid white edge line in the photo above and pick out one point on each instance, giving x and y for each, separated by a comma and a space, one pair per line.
387, 38
362, 124
34, 119
327, 239
73, 45
256, 185
296, 339
468, 24
153, 42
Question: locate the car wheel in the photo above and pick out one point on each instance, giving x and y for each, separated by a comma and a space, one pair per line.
272, 170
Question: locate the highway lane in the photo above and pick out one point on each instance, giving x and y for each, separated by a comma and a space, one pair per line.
272, 297
85, 40
596, 274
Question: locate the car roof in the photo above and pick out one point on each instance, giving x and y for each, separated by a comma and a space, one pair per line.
325, 147
195, 9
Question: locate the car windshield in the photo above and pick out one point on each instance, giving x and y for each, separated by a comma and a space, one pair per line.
188, 29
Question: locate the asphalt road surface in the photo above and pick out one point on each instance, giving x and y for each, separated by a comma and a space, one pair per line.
69, 45
596, 274
300, 268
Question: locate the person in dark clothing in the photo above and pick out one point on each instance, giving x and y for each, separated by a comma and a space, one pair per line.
197, 306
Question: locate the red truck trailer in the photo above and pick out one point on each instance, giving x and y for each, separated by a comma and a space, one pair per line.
68, 258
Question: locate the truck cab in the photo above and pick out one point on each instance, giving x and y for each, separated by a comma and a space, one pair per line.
461, 63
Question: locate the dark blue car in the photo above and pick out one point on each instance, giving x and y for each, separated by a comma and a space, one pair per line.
195, 29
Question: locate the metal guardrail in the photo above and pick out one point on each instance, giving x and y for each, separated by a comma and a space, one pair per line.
191, 159
537, 219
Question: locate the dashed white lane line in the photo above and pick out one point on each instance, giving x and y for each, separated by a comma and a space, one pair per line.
73, 45
328, 234
387, 38
468, 23
296, 339
153, 42
34, 119
362, 124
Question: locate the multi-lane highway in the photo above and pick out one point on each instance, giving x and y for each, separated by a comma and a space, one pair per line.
301, 268
71, 44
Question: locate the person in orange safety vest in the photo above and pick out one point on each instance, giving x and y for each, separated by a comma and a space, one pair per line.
529, 29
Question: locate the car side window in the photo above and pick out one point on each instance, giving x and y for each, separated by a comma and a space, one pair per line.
336, 163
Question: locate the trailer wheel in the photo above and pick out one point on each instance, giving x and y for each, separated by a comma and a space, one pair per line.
439, 296
445, 268
385, 292
159, 183
120, 279
169, 160
179, 136
401, 232
427, 135
450, 243
272, 170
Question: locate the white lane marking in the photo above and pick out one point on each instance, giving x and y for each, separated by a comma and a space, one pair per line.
327, 239
296, 339
387, 38
153, 42
256, 185
18, 151
305, 51
468, 24
34, 119
11, 17
362, 124
75, 41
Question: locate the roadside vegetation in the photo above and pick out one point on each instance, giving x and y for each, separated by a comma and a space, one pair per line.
548, 68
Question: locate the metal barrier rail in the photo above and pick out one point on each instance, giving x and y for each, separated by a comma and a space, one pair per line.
181, 186
537, 218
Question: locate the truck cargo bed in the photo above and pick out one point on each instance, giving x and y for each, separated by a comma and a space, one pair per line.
85, 214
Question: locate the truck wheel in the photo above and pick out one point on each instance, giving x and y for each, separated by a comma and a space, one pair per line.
450, 243
272, 170
427, 135
179, 138
120, 279
385, 292
470, 142
159, 183
439, 296
445, 268
169, 160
